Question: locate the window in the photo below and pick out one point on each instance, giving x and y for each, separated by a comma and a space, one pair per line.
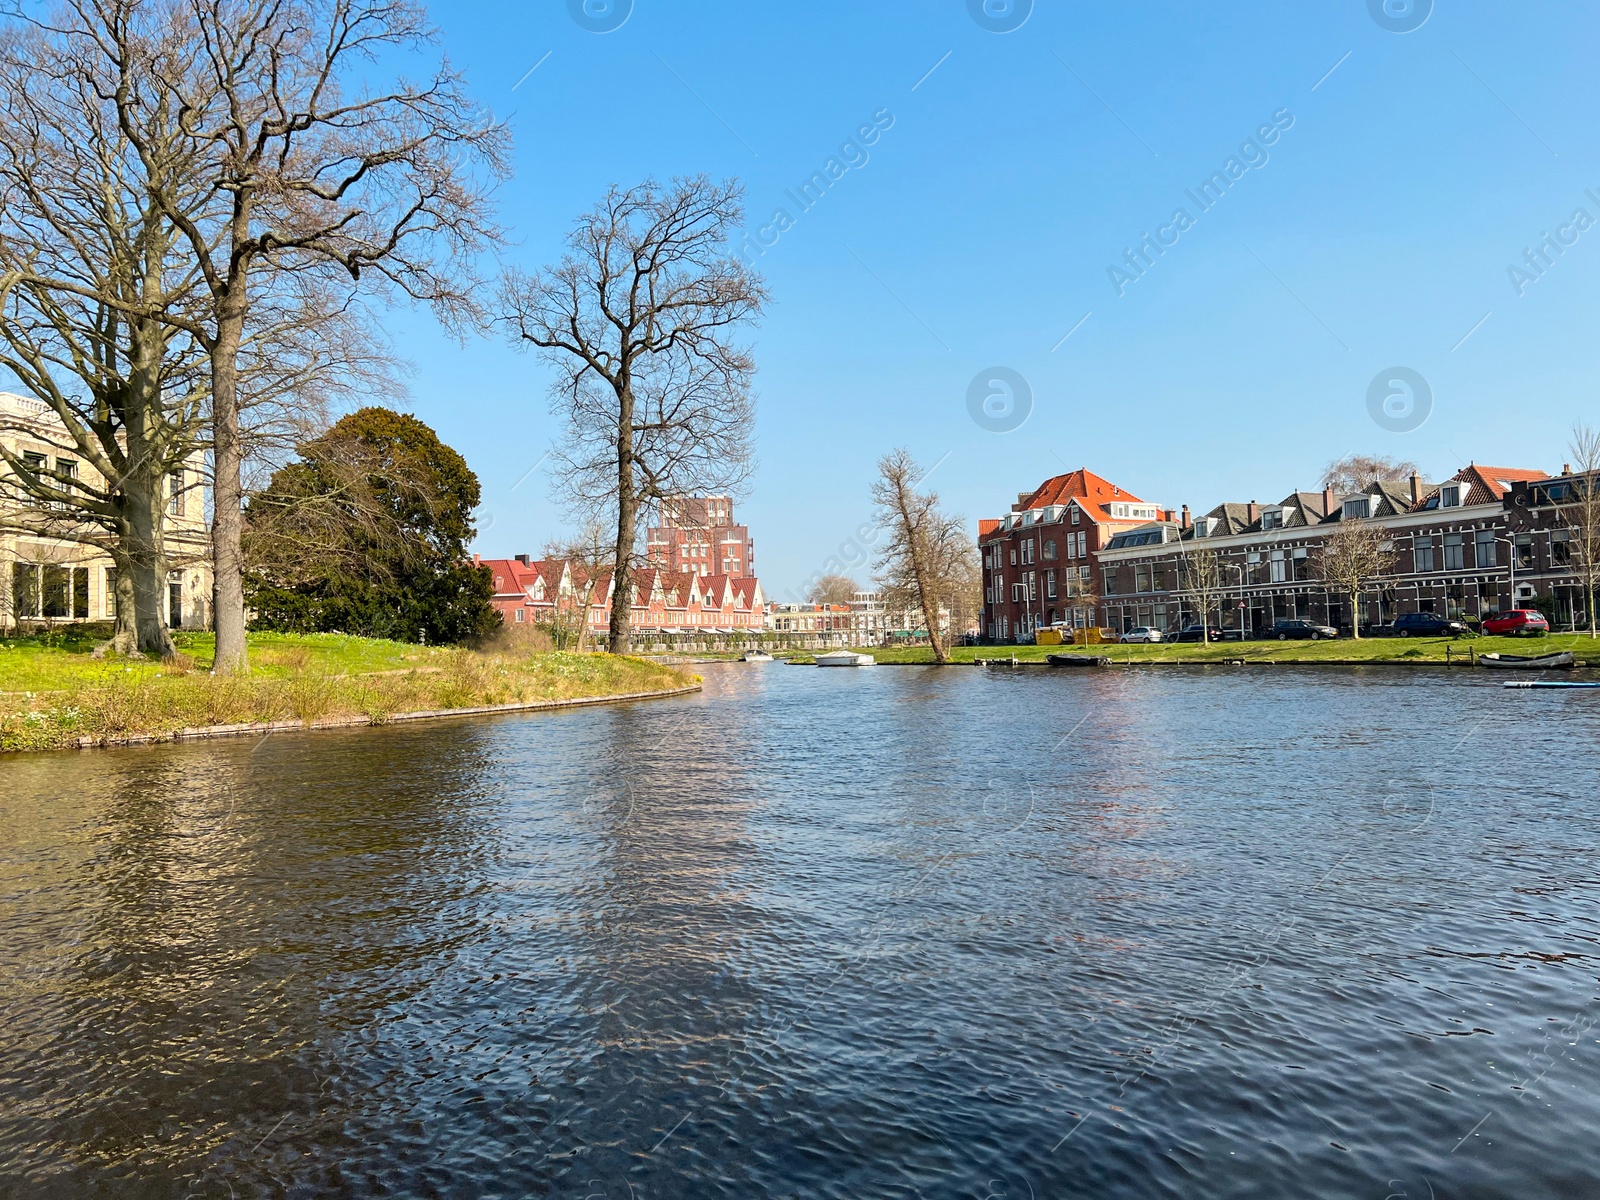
1027, 551
1083, 545
1050, 585
67, 472
177, 494
1450, 496
175, 600
521, 615
1560, 548
1013, 557
1074, 514
1050, 550
111, 592
1422, 554
1357, 506
1483, 548
1301, 561
1278, 567
1454, 559
1016, 592
1110, 588
25, 589
1272, 518
1141, 577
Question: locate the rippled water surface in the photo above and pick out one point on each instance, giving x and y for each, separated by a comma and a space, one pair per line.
881, 933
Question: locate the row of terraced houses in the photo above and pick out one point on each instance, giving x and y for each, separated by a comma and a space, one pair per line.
1080, 551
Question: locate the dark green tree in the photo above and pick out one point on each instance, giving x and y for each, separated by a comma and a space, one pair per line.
366, 533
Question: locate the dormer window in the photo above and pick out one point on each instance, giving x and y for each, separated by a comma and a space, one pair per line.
1450, 496
1272, 518
1357, 507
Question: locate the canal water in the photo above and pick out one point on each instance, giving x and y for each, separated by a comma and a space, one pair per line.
885, 933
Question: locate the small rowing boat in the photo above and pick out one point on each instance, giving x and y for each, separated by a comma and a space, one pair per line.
845, 658
1077, 660
756, 656
1521, 662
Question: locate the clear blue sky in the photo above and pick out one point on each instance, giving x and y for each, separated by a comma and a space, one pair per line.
1378, 233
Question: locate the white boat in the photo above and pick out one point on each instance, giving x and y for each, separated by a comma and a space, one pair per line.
755, 656
845, 658
1522, 662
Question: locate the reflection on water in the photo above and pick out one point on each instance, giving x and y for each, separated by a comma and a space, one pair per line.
887, 933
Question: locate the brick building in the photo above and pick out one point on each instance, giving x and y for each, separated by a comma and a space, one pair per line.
1041, 560
528, 591
698, 536
1456, 547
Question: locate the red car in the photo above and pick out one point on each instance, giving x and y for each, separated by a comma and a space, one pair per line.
1525, 621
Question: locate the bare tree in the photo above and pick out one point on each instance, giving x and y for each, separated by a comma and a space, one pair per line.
1200, 582
1355, 471
638, 321
246, 109
927, 555
1350, 557
833, 589
1583, 514
588, 555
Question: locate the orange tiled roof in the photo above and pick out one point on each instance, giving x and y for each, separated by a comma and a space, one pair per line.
1091, 491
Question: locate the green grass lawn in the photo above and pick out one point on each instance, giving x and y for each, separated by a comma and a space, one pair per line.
54, 692
1399, 650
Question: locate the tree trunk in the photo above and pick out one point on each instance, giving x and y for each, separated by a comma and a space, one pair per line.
627, 529
148, 565
227, 522
919, 573
1355, 614
125, 637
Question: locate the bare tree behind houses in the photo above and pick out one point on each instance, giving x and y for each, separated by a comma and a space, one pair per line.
1350, 558
1200, 582
927, 556
587, 554
253, 107
1355, 471
832, 589
639, 321
1583, 514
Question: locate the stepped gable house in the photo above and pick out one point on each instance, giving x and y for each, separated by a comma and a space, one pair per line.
527, 591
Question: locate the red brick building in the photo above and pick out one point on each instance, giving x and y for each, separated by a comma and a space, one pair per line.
698, 536
1041, 560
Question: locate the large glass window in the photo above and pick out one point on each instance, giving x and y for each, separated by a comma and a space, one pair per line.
56, 585
1454, 555
1483, 549
25, 589
1422, 554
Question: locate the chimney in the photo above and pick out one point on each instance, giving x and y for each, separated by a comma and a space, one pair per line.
1252, 512
1185, 524
523, 559
1416, 489
1327, 501
1566, 468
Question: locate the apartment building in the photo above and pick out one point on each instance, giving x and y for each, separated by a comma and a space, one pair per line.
698, 536
1457, 549
49, 573
1041, 561
527, 591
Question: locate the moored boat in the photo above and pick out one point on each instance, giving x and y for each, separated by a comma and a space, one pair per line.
1521, 662
1077, 660
845, 658
755, 656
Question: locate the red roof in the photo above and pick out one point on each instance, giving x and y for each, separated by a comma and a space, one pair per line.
1083, 485
1492, 483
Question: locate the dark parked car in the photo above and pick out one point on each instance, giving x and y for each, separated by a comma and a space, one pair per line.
1193, 633
1423, 624
1283, 630
1517, 622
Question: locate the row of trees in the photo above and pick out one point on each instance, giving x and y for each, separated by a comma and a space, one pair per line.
197, 199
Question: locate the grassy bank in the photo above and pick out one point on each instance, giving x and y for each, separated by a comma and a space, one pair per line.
1373, 650
54, 692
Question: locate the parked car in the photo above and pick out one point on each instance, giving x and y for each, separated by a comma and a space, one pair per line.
1422, 624
1517, 622
1283, 630
1141, 633
1198, 633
